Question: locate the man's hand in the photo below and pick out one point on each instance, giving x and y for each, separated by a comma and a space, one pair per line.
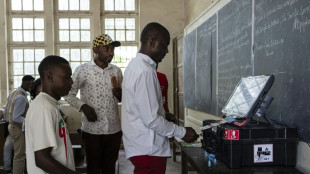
170, 117
117, 90
190, 135
89, 112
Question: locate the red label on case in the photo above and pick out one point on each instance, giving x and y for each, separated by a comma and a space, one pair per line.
231, 134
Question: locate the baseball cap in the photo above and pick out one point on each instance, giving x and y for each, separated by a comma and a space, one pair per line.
105, 40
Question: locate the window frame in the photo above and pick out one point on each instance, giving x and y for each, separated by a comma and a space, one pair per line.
10, 30
24, 11
75, 47
73, 43
11, 62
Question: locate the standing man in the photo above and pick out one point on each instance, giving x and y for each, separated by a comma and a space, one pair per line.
15, 111
146, 131
48, 146
99, 85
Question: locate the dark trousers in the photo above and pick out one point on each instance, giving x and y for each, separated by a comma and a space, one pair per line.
101, 152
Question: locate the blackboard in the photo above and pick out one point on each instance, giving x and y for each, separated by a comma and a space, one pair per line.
214, 107
234, 47
267, 37
206, 33
189, 46
282, 48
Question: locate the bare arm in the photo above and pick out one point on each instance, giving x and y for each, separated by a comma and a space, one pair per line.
117, 90
46, 162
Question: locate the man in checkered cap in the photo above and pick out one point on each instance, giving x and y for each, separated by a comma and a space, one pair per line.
99, 83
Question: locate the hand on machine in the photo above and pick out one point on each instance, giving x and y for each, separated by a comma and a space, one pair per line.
190, 135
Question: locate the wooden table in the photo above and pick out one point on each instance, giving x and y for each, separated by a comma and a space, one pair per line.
3, 132
195, 156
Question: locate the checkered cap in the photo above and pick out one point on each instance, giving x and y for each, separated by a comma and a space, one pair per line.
105, 40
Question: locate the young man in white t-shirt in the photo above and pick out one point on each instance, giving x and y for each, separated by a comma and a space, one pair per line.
48, 146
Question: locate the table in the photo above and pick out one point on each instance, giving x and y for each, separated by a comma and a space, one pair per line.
78, 152
3, 131
195, 156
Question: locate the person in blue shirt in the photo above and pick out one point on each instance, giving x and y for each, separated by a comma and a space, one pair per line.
15, 112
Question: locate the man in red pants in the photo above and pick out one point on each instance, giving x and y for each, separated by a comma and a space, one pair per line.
146, 132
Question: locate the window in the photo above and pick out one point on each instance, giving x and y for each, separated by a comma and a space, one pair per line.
74, 32
123, 54
27, 5
121, 29
73, 5
119, 5
37, 28
28, 29
26, 61
74, 29
120, 20
76, 56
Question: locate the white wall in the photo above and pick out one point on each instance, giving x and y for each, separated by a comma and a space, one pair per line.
171, 15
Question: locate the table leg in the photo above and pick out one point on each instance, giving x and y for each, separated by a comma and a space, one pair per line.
184, 163
174, 150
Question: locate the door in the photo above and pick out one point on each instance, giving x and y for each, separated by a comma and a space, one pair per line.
178, 79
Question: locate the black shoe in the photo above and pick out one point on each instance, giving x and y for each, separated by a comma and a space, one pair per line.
8, 171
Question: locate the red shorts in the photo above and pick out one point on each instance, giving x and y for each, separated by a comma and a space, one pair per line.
149, 164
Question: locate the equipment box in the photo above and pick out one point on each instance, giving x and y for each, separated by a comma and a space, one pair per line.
257, 143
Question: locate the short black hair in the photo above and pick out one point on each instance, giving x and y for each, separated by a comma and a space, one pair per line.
49, 63
34, 87
27, 78
152, 30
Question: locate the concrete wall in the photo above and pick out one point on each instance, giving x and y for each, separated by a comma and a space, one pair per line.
3, 54
194, 8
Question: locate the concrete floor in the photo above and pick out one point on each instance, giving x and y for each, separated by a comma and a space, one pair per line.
124, 166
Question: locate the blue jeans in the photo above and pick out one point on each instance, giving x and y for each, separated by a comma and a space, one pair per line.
8, 153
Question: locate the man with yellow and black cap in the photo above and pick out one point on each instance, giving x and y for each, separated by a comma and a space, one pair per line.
99, 83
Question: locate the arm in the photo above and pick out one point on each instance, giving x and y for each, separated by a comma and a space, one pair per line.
71, 98
20, 103
117, 85
147, 100
46, 162
116, 90
78, 83
165, 93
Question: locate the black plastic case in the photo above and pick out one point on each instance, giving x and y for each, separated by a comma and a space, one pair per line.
257, 143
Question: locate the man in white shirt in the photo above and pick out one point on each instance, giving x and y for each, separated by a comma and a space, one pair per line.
145, 129
48, 146
99, 84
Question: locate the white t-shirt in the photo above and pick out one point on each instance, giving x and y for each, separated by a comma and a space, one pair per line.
45, 128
